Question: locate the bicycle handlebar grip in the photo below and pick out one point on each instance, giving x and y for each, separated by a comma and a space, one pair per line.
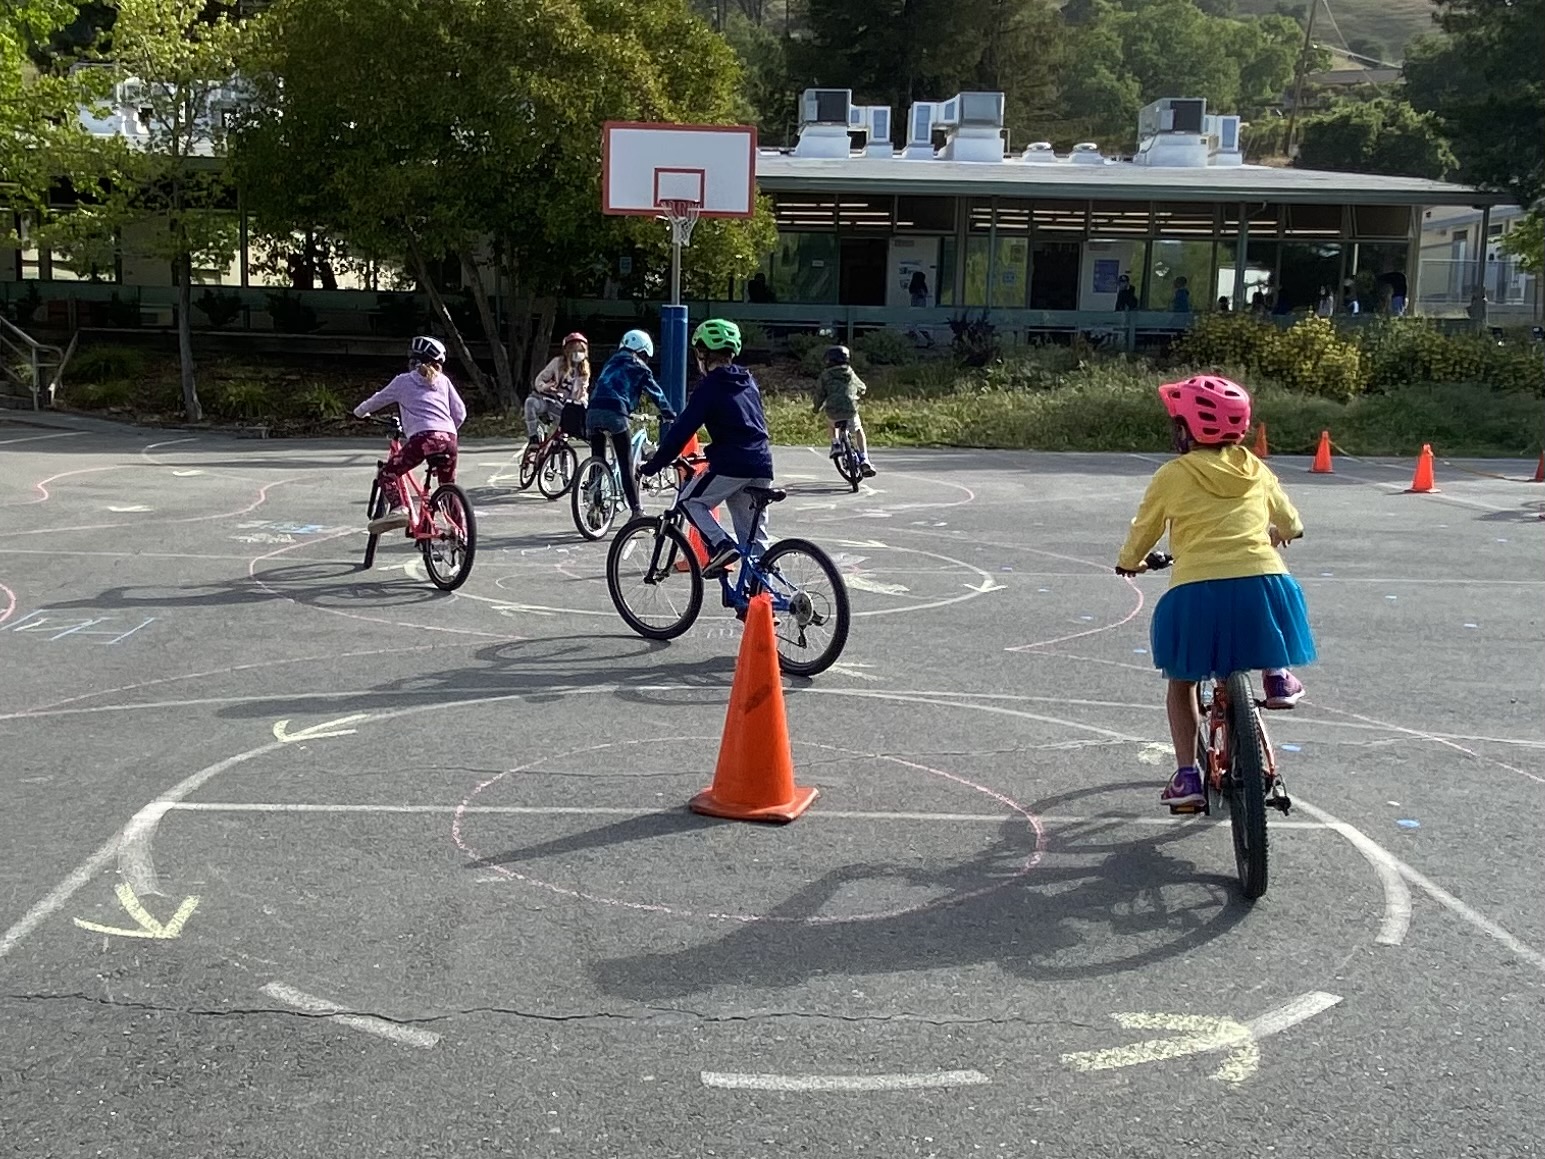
1158, 560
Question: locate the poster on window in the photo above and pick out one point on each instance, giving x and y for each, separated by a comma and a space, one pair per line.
1106, 273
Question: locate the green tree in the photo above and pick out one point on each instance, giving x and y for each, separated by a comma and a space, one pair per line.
1526, 242
481, 145
770, 88
1484, 83
1378, 136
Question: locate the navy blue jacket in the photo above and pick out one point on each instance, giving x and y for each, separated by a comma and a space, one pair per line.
622, 382
729, 404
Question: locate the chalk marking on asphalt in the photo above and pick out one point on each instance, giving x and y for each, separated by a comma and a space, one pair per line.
853, 670
1397, 897
318, 731
731, 1081
380, 1027
1416, 732
119, 554
146, 926
37, 438
143, 523
10, 604
1202, 1034
987, 585
127, 508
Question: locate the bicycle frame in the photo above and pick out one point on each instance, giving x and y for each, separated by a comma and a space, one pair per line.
421, 524
750, 579
1214, 738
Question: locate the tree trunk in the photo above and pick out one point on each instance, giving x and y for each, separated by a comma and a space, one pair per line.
519, 326
474, 279
182, 270
475, 376
542, 336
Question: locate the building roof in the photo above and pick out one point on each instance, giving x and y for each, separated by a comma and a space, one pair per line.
779, 172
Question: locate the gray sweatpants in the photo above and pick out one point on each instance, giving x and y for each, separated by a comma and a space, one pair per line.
541, 409
708, 491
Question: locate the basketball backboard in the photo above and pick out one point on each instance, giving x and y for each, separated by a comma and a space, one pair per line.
712, 167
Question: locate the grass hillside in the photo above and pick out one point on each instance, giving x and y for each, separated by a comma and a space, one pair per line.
1391, 23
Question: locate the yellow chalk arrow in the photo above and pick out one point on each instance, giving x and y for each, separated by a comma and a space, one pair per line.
149, 927
318, 731
1200, 1034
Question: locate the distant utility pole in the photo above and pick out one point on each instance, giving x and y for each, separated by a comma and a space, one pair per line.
1298, 80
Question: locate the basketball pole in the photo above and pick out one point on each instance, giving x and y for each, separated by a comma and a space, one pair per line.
673, 335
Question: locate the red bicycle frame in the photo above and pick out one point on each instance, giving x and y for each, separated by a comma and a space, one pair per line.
421, 522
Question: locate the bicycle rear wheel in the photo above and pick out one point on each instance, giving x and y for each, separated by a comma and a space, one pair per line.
652, 597
448, 555
810, 605
594, 499
1247, 785
556, 475
375, 507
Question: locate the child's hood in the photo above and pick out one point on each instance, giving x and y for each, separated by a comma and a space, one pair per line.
842, 374
730, 378
1231, 473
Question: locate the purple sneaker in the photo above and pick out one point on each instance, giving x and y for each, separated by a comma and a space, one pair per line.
1282, 691
1184, 790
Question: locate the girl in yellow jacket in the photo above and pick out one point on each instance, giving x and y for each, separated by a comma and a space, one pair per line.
1231, 606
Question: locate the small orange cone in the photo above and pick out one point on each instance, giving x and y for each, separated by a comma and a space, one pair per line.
1321, 465
1260, 441
754, 779
1421, 482
1539, 471
694, 540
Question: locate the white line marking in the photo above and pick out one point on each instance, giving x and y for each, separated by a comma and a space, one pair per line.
406, 1035
1303, 1007
625, 811
1397, 897
35, 438
844, 1082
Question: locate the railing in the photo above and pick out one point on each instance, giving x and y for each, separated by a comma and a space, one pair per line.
30, 363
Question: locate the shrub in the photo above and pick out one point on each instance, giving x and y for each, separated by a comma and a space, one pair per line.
317, 402
886, 348
1308, 356
102, 363
103, 396
1400, 351
240, 400
753, 336
976, 339
801, 344
219, 308
291, 315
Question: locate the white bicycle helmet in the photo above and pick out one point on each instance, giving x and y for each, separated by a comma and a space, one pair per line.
426, 349
638, 342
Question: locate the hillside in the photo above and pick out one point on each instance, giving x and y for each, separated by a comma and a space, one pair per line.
1391, 23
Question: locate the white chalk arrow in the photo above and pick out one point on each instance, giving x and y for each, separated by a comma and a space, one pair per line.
129, 508
816, 507
146, 926
987, 585
851, 669
186, 474
864, 584
318, 731
859, 543
1202, 1034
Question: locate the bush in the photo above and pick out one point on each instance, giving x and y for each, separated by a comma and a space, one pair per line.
103, 396
290, 314
219, 308
976, 339
103, 363
240, 400
317, 402
1399, 351
886, 348
1308, 356
800, 345
753, 336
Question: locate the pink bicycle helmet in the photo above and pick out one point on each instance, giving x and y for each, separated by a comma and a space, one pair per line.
575, 337
1214, 409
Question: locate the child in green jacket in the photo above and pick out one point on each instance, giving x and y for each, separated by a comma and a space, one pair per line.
837, 393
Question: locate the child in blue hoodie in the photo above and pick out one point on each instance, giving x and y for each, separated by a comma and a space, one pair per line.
729, 404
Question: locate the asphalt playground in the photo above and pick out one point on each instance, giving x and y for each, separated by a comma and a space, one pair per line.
301, 860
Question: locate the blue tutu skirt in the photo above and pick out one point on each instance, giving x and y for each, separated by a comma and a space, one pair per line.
1215, 627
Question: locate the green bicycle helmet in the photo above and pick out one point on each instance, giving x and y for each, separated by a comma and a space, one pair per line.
718, 334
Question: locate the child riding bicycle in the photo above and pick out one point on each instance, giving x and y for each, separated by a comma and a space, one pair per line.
1232, 606
566, 379
837, 392
728, 402
624, 379
431, 411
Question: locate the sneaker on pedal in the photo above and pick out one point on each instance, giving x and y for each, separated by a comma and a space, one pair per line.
1283, 690
391, 521
866, 469
1184, 791
719, 562
835, 451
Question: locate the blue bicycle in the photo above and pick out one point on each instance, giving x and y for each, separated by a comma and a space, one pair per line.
597, 495
656, 584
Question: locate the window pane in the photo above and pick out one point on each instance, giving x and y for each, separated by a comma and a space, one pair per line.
803, 211
804, 268
1314, 221
1180, 266
1118, 217
864, 213
1391, 221
1060, 216
926, 214
1185, 220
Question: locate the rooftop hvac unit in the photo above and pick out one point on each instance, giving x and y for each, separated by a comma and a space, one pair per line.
921, 122
1172, 115
874, 121
826, 107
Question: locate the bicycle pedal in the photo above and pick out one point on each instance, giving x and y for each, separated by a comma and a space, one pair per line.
1186, 810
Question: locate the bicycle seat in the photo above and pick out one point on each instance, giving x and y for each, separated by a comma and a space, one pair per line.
765, 495
438, 459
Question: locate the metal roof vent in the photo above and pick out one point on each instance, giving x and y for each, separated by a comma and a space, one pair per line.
975, 124
1087, 153
1040, 153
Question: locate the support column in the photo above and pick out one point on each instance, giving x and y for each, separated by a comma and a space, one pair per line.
1413, 270
1241, 256
1479, 312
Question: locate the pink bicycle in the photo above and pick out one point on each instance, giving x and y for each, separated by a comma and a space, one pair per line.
441, 522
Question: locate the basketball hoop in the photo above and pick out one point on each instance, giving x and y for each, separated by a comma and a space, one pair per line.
682, 216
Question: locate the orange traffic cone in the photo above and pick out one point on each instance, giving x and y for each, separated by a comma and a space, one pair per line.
1422, 482
1321, 465
1260, 441
1539, 471
694, 540
754, 779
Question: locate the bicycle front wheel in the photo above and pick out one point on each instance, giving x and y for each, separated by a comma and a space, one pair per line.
1247, 785
448, 553
652, 596
375, 507
810, 606
530, 461
594, 499
557, 472
848, 465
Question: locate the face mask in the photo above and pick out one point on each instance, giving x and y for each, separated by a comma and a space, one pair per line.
577, 357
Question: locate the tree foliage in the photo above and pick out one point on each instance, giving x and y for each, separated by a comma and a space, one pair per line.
1484, 83
482, 144
1378, 136
1526, 242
